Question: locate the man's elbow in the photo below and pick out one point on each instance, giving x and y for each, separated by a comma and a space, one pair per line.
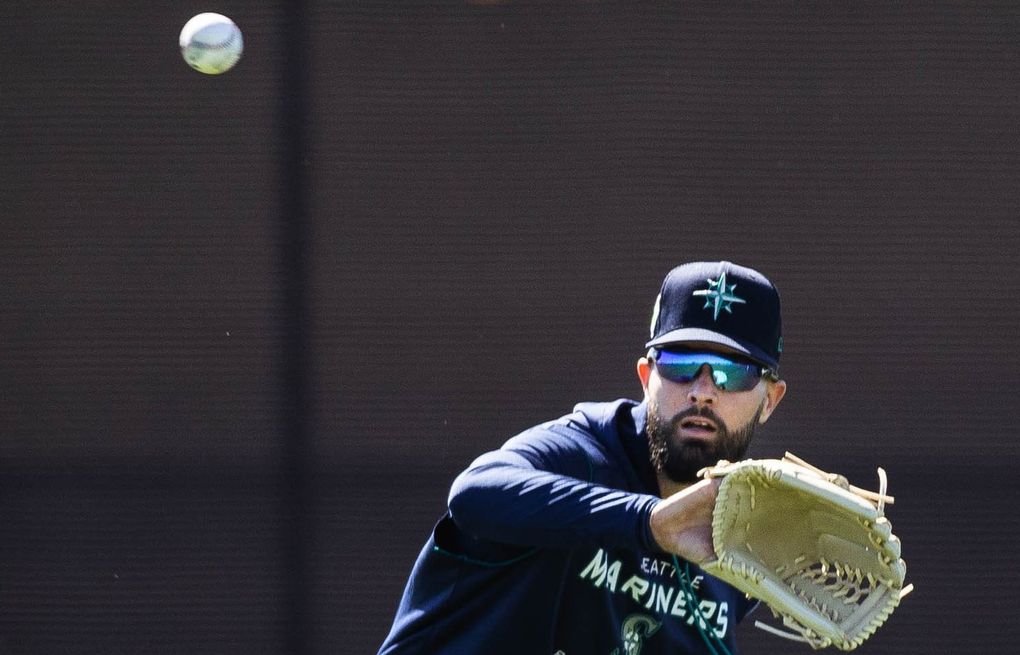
465, 499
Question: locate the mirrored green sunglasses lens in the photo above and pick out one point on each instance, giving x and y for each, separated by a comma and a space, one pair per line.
727, 374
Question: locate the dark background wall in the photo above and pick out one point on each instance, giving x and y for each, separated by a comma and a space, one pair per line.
254, 324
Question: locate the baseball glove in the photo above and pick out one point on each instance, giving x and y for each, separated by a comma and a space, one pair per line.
818, 551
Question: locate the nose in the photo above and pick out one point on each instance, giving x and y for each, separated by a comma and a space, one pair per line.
703, 389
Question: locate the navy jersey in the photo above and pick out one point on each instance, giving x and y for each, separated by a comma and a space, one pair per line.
546, 550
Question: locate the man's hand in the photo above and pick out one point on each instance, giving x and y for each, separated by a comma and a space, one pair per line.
682, 523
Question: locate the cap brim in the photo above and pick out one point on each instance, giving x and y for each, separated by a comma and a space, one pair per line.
696, 335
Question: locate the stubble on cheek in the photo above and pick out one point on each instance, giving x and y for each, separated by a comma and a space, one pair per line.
680, 459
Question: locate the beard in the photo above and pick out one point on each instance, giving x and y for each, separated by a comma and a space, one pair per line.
680, 459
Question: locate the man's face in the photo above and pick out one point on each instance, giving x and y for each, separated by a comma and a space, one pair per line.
695, 424
679, 455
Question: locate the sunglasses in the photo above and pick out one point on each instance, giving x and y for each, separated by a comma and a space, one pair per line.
728, 374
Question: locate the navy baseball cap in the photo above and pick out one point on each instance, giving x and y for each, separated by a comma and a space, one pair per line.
720, 303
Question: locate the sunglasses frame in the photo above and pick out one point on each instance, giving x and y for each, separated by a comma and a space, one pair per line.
764, 372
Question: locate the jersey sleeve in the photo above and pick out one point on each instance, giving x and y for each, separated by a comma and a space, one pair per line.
542, 489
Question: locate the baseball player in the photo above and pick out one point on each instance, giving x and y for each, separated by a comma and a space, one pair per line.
567, 540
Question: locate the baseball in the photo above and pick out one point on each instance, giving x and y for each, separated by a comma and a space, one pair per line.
211, 43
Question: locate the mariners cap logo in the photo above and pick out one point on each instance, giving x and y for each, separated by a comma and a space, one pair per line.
719, 296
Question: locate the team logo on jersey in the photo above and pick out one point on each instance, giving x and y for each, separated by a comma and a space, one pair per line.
634, 630
719, 296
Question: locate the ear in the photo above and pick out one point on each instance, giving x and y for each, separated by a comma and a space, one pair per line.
774, 392
644, 373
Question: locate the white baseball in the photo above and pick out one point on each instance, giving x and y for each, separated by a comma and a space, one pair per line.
211, 43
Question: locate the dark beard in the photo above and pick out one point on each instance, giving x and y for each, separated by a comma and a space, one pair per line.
680, 460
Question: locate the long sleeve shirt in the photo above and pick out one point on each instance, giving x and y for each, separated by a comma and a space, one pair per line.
546, 549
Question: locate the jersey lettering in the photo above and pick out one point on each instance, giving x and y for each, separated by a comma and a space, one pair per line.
636, 586
656, 596
601, 572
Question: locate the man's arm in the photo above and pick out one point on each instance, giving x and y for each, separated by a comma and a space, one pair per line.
504, 497
536, 497
682, 522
